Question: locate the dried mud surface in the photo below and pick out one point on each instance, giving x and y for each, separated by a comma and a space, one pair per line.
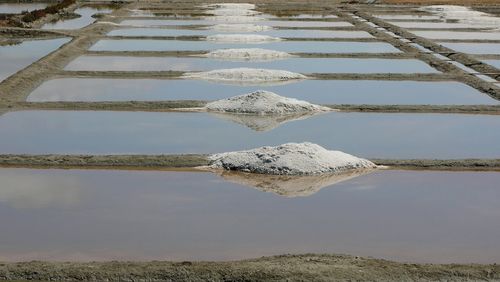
306, 267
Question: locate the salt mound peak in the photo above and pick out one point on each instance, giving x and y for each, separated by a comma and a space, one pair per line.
246, 75
247, 54
289, 159
240, 27
263, 103
242, 38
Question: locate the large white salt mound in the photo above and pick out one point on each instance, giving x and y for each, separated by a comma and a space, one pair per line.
463, 15
246, 75
289, 159
247, 54
242, 38
239, 27
263, 103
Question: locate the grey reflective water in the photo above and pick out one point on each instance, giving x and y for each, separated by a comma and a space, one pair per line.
146, 215
217, 20
17, 8
16, 57
314, 91
85, 19
474, 48
495, 63
407, 17
384, 135
285, 46
458, 35
443, 25
290, 33
303, 65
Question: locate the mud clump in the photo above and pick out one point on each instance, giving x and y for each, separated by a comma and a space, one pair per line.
289, 159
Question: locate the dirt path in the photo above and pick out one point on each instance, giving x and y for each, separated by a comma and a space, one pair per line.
308, 267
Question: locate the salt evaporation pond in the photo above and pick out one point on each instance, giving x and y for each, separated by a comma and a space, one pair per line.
431, 34
314, 91
290, 33
85, 19
16, 57
303, 65
369, 135
442, 25
410, 216
407, 17
474, 48
276, 23
495, 63
201, 45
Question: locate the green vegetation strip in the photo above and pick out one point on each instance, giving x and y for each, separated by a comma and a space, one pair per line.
194, 160
308, 267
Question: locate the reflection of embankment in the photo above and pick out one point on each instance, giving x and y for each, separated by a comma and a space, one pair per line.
23, 190
290, 186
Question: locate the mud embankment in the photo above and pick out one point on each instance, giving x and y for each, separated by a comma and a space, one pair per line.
196, 160
308, 267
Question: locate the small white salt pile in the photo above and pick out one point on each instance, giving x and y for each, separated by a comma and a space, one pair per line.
463, 15
234, 19
263, 103
239, 27
242, 38
242, 75
247, 54
233, 12
289, 159
235, 6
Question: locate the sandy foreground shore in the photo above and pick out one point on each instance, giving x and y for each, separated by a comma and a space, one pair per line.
310, 267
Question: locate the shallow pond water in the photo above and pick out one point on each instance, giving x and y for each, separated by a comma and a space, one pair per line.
458, 35
302, 65
285, 46
407, 17
85, 19
495, 63
442, 25
474, 48
16, 57
215, 20
383, 135
86, 215
314, 91
289, 33
17, 8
